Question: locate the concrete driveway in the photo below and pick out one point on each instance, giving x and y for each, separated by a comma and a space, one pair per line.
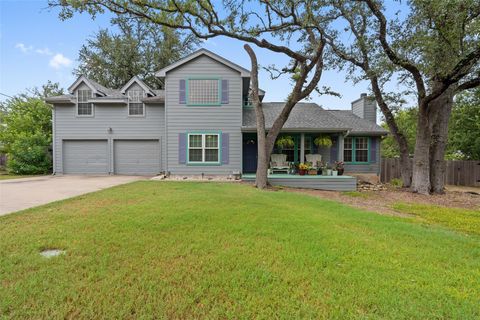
19, 194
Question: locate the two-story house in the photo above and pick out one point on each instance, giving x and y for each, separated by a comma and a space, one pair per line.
200, 123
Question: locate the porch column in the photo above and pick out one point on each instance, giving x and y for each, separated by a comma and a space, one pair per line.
302, 147
340, 147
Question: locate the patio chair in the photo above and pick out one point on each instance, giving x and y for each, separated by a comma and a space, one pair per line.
314, 159
279, 163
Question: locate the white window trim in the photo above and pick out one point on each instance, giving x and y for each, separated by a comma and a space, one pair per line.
143, 107
85, 115
203, 148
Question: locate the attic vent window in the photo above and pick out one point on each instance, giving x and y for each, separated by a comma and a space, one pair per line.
203, 92
135, 105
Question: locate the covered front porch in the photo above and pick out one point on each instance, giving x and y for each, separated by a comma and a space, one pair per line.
333, 183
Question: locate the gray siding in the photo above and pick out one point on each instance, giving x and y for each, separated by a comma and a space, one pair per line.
372, 167
70, 127
365, 108
181, 118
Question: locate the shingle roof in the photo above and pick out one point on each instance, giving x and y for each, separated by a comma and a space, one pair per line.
310, 116
303, 116
64, 98
357, 124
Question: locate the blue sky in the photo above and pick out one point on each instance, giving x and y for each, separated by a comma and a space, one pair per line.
36, 46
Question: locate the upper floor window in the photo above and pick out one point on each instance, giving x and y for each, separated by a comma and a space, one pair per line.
203, 92
84, 108
355, 149
135, 104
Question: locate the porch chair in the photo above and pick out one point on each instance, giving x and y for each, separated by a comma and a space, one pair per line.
314, 159
279, 163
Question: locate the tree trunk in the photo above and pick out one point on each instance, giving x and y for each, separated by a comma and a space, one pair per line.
405, 164
261, 178
440, 111
421, 158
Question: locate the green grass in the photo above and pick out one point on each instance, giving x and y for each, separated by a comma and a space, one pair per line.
208, 250
460, 219
7, 176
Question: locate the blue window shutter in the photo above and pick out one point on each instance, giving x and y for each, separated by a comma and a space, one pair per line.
334, 150
225, 148
182, 99
182, 148
225, 92
373, 149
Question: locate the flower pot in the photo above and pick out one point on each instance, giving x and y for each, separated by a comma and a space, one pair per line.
324, 172
334, 173
312, 172
301, 172
340, 171
329, 172
319, 172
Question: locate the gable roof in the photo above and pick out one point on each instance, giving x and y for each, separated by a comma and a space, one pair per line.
243, 72
311, 117
94, 86
140, 83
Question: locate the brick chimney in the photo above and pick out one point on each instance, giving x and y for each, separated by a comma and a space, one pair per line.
365, 108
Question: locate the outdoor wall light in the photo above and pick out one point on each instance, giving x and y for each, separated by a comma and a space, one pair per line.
109, 130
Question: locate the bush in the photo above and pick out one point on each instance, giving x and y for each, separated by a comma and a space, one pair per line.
29, 154
398, 183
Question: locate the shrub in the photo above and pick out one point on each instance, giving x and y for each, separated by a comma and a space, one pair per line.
29, 154
398, 183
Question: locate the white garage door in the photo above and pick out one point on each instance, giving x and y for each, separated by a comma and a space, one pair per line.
85, 156
137, 157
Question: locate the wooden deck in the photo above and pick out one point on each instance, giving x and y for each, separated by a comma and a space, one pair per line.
334, 183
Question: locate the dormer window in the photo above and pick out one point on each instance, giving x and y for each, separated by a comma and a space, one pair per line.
84, 107
135, 104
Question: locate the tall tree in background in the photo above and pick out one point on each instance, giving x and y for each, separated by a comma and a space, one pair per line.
279, 26
436, 48
26, 130
134, 46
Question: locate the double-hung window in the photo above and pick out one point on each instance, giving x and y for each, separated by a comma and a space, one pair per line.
203, 148
355, 149
203, 92
135, 104
84, 107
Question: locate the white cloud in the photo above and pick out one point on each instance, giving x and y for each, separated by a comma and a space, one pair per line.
59, 60
23, 47
44, 51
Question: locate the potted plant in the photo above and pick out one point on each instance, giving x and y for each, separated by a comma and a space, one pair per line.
329, 170
312, 171
323, 141
284, 142
324, 169
320, 166
302, 168
340, 167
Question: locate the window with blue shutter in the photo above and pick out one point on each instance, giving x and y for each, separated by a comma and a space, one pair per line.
182, 92
225, 148
182, 148
225, 91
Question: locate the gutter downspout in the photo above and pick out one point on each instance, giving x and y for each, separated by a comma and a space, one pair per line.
54, 142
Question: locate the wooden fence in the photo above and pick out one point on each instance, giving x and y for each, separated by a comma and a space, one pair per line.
460, 173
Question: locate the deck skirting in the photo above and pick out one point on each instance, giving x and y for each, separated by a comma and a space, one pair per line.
333, 183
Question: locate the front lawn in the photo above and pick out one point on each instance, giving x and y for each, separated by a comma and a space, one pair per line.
210, 250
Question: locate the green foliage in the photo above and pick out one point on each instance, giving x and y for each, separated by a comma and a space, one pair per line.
285, 142
407, 123
398, 183
139, 47
464, 130
323, 141
26, 130
29, 154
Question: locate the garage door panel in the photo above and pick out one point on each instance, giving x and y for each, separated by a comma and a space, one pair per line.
137, 157
85, 156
